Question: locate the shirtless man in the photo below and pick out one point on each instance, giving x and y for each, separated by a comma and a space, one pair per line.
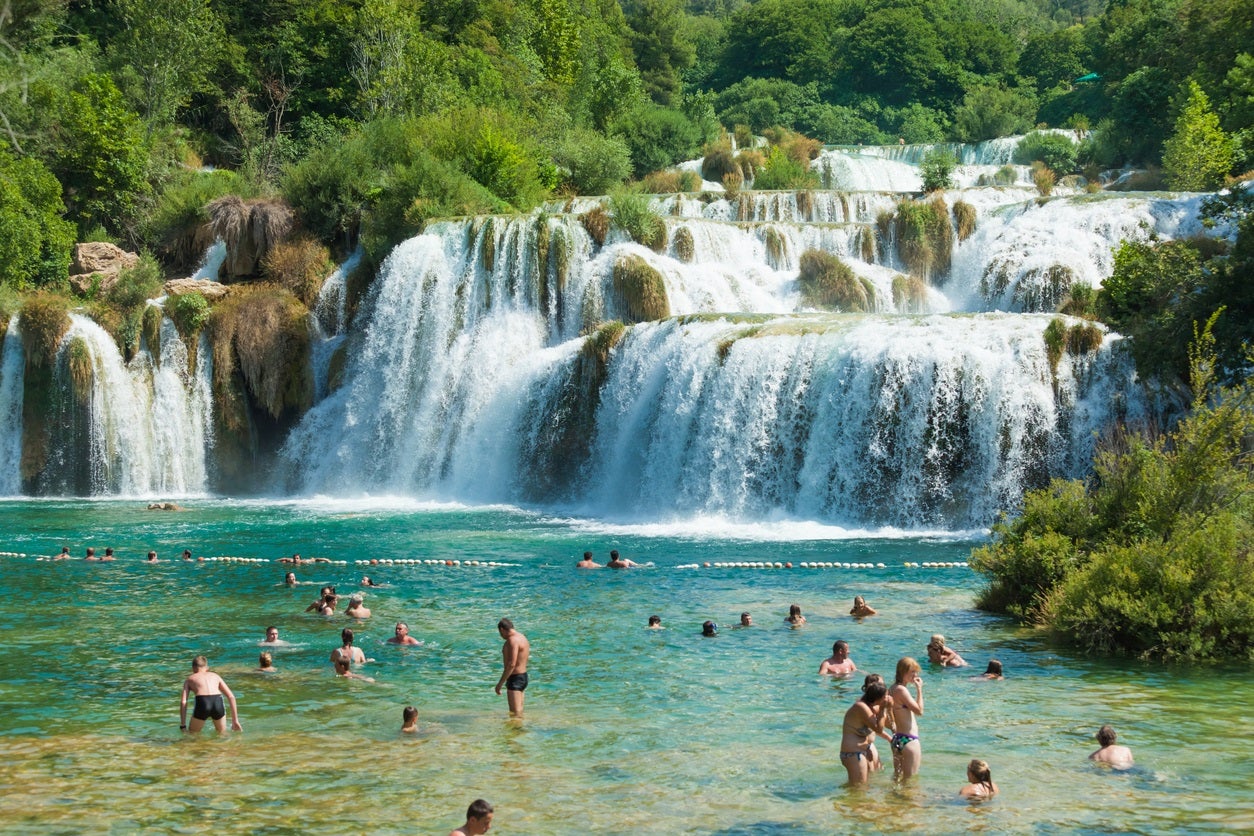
272, 638
617, 562
320, 604
207, 688
108, 555
64, 555
152, 557
478, 819
409, 720
289, 579
402, 635
187, 554
1119, 757
348, 652
357, 609
91, 554
587, 562
746, 620
839, 663
514, 655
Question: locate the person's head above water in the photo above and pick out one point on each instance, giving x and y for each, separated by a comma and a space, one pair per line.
709, 628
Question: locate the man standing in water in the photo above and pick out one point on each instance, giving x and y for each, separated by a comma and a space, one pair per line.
478, 819
207, 688
514, 655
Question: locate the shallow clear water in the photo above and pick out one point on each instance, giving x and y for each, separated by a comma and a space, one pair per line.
627, 730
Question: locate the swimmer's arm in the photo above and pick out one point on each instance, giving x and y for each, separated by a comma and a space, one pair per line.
230, 698
183, 706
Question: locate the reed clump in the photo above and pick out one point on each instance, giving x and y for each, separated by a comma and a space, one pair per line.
249, 229
925, 240
671, 182
909, 294
301, 265
81, 371
684, 245
44, 322
597, 223
633, 214
640, 289
151, 329
828, 283
964, 219
776, 248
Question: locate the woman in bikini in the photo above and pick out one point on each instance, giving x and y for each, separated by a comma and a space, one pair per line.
795, 618
864, 719
861, 608
907, 751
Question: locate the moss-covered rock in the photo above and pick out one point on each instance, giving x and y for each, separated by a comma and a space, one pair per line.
301, 265
263, 334
44, 322
597, 222
964, 219
685, 248
639, 290
909, 294
151, 329
830, 284
925, 239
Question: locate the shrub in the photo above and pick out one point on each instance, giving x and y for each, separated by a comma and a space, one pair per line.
750, 162
594, 163
640, 289
718, 162
1084, 338
671, 182
799, 148
597, 222
121, 310
909, 294
827, 282
35, 242
743, 136
1055, 336
924, 237
964, 219
684, 246
1198, 156
782, 172
1081, 301
178, 226
936, 170
657, 138
44, 321
1043, 178
1055, 151
632, 214
263, 333
732, 184
301, 265
190, 313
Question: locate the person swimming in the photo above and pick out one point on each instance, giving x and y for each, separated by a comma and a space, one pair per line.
939, 654
1111, 754
981, 784
992, 672
795, 618
860, 608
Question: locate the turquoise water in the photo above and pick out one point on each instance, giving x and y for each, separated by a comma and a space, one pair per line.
626, 730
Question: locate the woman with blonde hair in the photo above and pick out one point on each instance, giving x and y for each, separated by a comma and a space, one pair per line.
907, 750
981, 779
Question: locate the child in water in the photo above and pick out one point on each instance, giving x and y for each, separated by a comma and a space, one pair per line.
981, 779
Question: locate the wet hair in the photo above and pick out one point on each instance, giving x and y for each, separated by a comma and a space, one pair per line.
937, 641
709, 628
614, 554
478, 809
840, 644
266, 660
1106, 736
65, 550
187, 552
655, 619
504, 624
979, 773
91, 552
794, 610
745, 615
859, 601
152, 555
402, 624
346, 635
871, 679
201, 662
906, 666
994, 666
272, 627
873, 692
409, 713
587, 555
109, 551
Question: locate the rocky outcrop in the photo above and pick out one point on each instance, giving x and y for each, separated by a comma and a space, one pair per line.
98, 262
211, 290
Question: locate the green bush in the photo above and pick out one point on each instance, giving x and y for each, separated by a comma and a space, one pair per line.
657, 137
936, 169
828, 283
632, 214
640, 289
782, 172
175, 226
44, 321
1055, 151
190, 313
35, 242
925, 239
719, 161
593, 163
1151, 556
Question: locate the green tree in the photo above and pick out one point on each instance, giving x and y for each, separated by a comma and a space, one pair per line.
990, 111
657, 138
34, 240
1055, 151
937, 168
1198, 155
662, 52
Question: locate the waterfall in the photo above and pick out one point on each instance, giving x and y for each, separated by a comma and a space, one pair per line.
327, 322
135, 429
212, 262
12, 362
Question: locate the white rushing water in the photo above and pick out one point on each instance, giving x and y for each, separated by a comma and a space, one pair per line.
12, 362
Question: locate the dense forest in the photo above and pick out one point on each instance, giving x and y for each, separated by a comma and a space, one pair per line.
371, 116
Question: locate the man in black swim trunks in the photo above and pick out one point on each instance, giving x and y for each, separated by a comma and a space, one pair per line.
208, 689
514, 655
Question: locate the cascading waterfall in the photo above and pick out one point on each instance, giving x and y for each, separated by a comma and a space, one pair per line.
135, 429
12, 362
327, 322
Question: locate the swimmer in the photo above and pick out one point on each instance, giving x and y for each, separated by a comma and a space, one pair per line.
91, 554
152, 557
207, 688
655, 622
344, 668
587, 562
839, 663
357, 609
289, 579
320, 603
265, 663
272, 638
907, 750
939, 654
1119, 757
348, 651
860, 608
746, 620
293, 559
402, 635
514, 655
617, 562
795, 618
409, 720
64, 555
478, 819
108, 555
365, 581
993, 672
187, 554
981, 779
709, 629
863, 721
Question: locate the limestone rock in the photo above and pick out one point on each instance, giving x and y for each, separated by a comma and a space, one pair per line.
211, 290
98, 261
